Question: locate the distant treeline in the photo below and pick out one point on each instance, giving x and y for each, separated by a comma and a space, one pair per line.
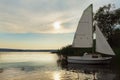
25, 50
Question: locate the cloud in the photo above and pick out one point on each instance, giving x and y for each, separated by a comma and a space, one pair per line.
37, 16
30, 16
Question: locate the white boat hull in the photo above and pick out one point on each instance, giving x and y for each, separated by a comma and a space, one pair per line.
104, 60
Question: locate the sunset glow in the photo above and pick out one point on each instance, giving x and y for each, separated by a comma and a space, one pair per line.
57, 25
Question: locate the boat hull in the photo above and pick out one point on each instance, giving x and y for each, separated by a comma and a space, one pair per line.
106, 60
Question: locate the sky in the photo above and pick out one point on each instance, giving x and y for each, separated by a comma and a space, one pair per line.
42, 24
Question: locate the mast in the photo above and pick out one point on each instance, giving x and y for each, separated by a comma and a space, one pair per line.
94, 40
93, 32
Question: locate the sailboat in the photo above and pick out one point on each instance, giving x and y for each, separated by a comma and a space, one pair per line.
84, 38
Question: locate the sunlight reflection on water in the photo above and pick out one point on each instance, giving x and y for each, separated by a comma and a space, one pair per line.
22, 57
46, 66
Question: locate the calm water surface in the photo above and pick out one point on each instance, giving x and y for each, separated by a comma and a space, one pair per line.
47, 66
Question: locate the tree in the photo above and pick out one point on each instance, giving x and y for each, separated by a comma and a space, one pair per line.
115, 39
107, 19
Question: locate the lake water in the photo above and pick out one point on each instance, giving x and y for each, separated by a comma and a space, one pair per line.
47, 66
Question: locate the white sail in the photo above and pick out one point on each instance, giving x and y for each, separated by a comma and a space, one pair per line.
83, 35
102, 45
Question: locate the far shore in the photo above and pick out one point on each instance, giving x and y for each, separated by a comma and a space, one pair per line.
27, 50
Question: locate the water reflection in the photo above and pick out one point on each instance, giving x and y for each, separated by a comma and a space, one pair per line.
47, 66
90, 72
56, 76
28, 69
1, 70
